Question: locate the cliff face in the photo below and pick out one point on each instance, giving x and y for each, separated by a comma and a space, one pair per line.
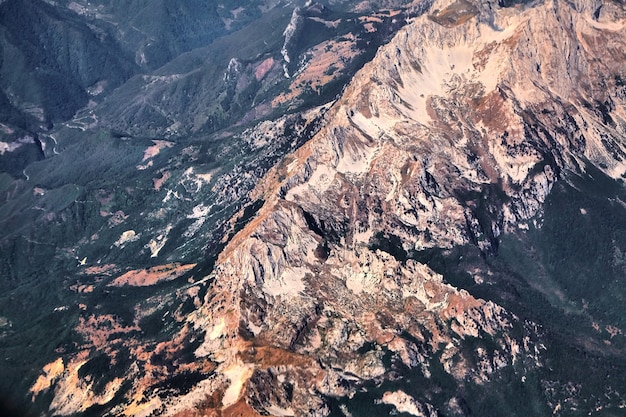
452, 135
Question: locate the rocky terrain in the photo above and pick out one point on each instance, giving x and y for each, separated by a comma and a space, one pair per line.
464, 105
444, 237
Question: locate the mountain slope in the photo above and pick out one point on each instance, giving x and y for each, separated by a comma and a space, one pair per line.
49, 66
454, 134
407, 256
89, 200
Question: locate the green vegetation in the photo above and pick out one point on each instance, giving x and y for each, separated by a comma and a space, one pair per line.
567, 276
51, 56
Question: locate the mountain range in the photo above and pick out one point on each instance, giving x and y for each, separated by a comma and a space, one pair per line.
333, 208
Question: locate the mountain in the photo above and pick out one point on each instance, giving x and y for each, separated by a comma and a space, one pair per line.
434, 227
89, 190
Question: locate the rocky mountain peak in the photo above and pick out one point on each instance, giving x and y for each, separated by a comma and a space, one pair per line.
467, 108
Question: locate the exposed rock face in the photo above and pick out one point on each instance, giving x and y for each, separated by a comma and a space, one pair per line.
406, 404
464, 105
454, 133
281, 288
291, 33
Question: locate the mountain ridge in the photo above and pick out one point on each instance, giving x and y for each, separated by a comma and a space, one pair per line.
340, 150
377, 266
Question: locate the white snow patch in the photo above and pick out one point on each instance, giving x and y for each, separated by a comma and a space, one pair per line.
218, 329
254, 328
155, 245
375, 126
292, 165
443, 68
200, 213
357, 161
193, 182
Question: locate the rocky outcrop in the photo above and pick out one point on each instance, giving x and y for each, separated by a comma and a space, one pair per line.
291, 33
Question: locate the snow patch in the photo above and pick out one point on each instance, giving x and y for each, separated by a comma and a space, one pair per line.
218, 329
155, 245
200, 213
357, 162
441, 68
279, 411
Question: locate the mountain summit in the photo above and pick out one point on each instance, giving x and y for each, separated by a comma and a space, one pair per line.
445, 236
